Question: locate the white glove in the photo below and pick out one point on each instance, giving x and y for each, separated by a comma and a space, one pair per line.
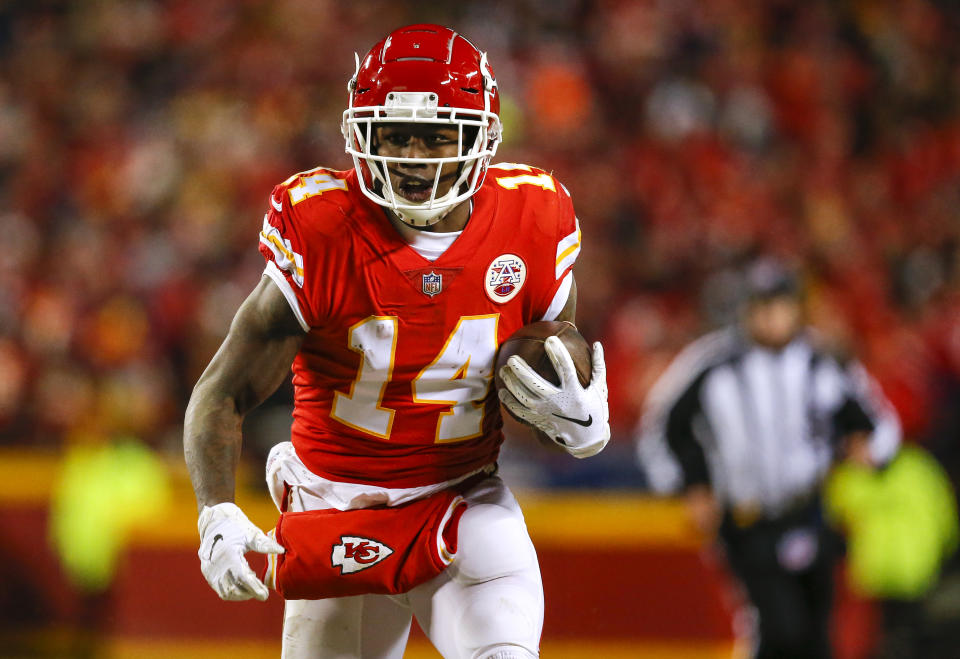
575, 418
225, 536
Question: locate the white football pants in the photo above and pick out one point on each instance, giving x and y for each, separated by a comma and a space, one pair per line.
487, 605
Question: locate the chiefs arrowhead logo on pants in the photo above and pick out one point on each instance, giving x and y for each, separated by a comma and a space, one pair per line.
328, 551
354, 554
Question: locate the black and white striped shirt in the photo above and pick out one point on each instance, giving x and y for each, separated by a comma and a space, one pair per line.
759, 425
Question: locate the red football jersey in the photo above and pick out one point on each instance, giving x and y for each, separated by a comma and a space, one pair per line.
393, 381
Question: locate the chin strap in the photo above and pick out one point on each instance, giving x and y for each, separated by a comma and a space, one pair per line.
427, 217
412, 223
421, 219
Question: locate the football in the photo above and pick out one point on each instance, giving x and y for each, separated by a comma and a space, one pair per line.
527, 342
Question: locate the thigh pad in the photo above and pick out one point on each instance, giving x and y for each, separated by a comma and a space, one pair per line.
492, 541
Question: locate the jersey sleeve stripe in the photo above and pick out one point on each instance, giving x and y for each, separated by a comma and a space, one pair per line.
559, 299
274, 273
567, 250
569, 242
282, 251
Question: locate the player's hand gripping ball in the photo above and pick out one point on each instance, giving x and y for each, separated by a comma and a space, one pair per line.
548, 377
527, 343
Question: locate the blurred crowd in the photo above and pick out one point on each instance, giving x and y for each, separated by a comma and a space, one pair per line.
139, 140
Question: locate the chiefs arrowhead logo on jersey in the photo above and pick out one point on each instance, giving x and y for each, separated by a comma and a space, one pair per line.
505, 277
354, 554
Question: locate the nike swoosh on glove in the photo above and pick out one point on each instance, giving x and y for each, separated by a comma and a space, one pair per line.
226, 534
575, 417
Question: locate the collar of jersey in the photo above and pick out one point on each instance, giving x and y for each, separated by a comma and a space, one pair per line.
406, 258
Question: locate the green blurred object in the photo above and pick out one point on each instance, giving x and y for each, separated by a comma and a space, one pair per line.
103, 490
511, 117
901, 523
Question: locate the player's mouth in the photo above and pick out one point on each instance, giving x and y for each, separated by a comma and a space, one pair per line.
415, 189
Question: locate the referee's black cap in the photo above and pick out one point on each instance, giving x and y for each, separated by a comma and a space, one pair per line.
768, 278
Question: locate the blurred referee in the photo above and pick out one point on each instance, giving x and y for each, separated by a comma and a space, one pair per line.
746, 422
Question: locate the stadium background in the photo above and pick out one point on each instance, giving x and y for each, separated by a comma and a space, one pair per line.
139, 140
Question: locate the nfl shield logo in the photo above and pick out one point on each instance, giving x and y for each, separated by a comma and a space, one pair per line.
432, 283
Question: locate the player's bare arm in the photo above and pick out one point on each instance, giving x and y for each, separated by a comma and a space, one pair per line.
251, 363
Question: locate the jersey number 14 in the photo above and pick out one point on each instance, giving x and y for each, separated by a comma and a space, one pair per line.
459, 377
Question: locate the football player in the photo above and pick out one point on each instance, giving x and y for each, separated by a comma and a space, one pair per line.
388, 289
